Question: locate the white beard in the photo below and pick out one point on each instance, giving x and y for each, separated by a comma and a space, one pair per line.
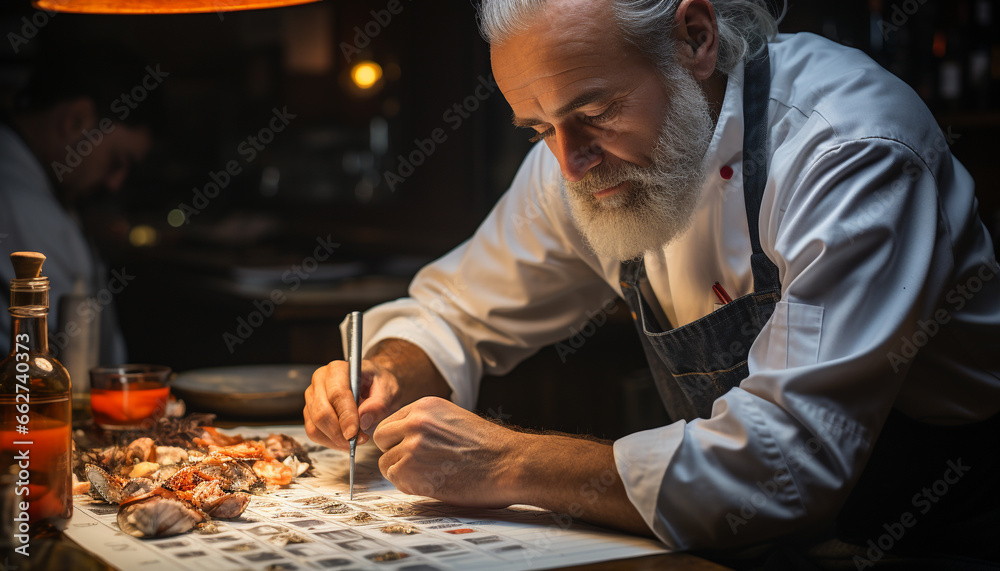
658, 204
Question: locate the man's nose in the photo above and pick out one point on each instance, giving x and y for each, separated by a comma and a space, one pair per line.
577, 153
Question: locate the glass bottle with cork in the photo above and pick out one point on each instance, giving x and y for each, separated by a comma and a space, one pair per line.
35, 416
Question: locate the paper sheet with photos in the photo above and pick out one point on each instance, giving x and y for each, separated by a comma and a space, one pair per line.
311, 524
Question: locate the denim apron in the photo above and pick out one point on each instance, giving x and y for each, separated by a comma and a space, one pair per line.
696, 364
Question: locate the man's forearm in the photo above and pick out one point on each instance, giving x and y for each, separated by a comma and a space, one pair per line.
413, 369
565, 474
576, 477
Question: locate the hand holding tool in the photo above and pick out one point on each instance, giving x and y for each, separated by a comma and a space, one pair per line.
354, 364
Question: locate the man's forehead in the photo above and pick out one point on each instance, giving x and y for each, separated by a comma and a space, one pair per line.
558, 52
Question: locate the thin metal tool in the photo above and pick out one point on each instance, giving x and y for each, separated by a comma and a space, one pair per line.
354, 363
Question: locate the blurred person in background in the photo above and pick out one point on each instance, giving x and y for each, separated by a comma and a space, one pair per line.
77, 126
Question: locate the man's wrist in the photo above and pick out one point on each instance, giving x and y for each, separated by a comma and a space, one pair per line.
387, 351
571, 475
539, 474
519, 481
413, 369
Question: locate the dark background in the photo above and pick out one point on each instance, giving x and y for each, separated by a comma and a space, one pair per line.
324, 176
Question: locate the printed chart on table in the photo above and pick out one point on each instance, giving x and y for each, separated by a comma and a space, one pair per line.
311, 524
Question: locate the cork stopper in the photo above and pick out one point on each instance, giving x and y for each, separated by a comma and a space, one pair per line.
27, 265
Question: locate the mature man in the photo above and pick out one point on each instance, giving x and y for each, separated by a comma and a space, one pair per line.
847, 390
74, 131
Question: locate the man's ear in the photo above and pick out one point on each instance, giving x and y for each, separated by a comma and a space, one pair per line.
73, 116
697, 35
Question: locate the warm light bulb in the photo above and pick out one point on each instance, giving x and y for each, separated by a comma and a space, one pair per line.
366, 74
159, 6
142, 235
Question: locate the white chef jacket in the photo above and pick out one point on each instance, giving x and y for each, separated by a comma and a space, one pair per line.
873, 227
31, 219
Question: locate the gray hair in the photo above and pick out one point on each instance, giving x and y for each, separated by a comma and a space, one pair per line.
745, 26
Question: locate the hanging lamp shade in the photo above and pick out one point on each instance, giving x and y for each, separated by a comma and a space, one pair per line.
159, 6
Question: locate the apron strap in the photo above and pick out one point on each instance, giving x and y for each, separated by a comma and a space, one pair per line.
756, 95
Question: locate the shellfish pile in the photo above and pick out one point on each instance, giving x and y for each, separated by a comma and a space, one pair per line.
168, 490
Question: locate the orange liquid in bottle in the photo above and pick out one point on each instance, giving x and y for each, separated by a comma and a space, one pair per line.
48, 486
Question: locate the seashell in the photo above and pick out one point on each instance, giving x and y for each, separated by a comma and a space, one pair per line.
159, 513
166, 472
143, 469
170, 455
298, 467
137, 487
106, 486
141, 449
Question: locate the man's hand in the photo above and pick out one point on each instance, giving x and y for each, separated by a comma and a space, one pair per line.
397, 373
331, 415
435, 448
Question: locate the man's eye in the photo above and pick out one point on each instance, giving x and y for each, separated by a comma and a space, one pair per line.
543, 135
607, 114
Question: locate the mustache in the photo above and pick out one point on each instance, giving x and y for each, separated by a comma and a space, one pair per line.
605, 176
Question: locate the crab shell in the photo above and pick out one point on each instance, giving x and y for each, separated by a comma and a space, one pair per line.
115, 489
186, 479
233, 474
217, 502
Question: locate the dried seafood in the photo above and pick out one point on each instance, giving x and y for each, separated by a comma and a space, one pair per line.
362, 517
282, 446
159, 513
182, 475
115, 489
211, 498
399, 528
